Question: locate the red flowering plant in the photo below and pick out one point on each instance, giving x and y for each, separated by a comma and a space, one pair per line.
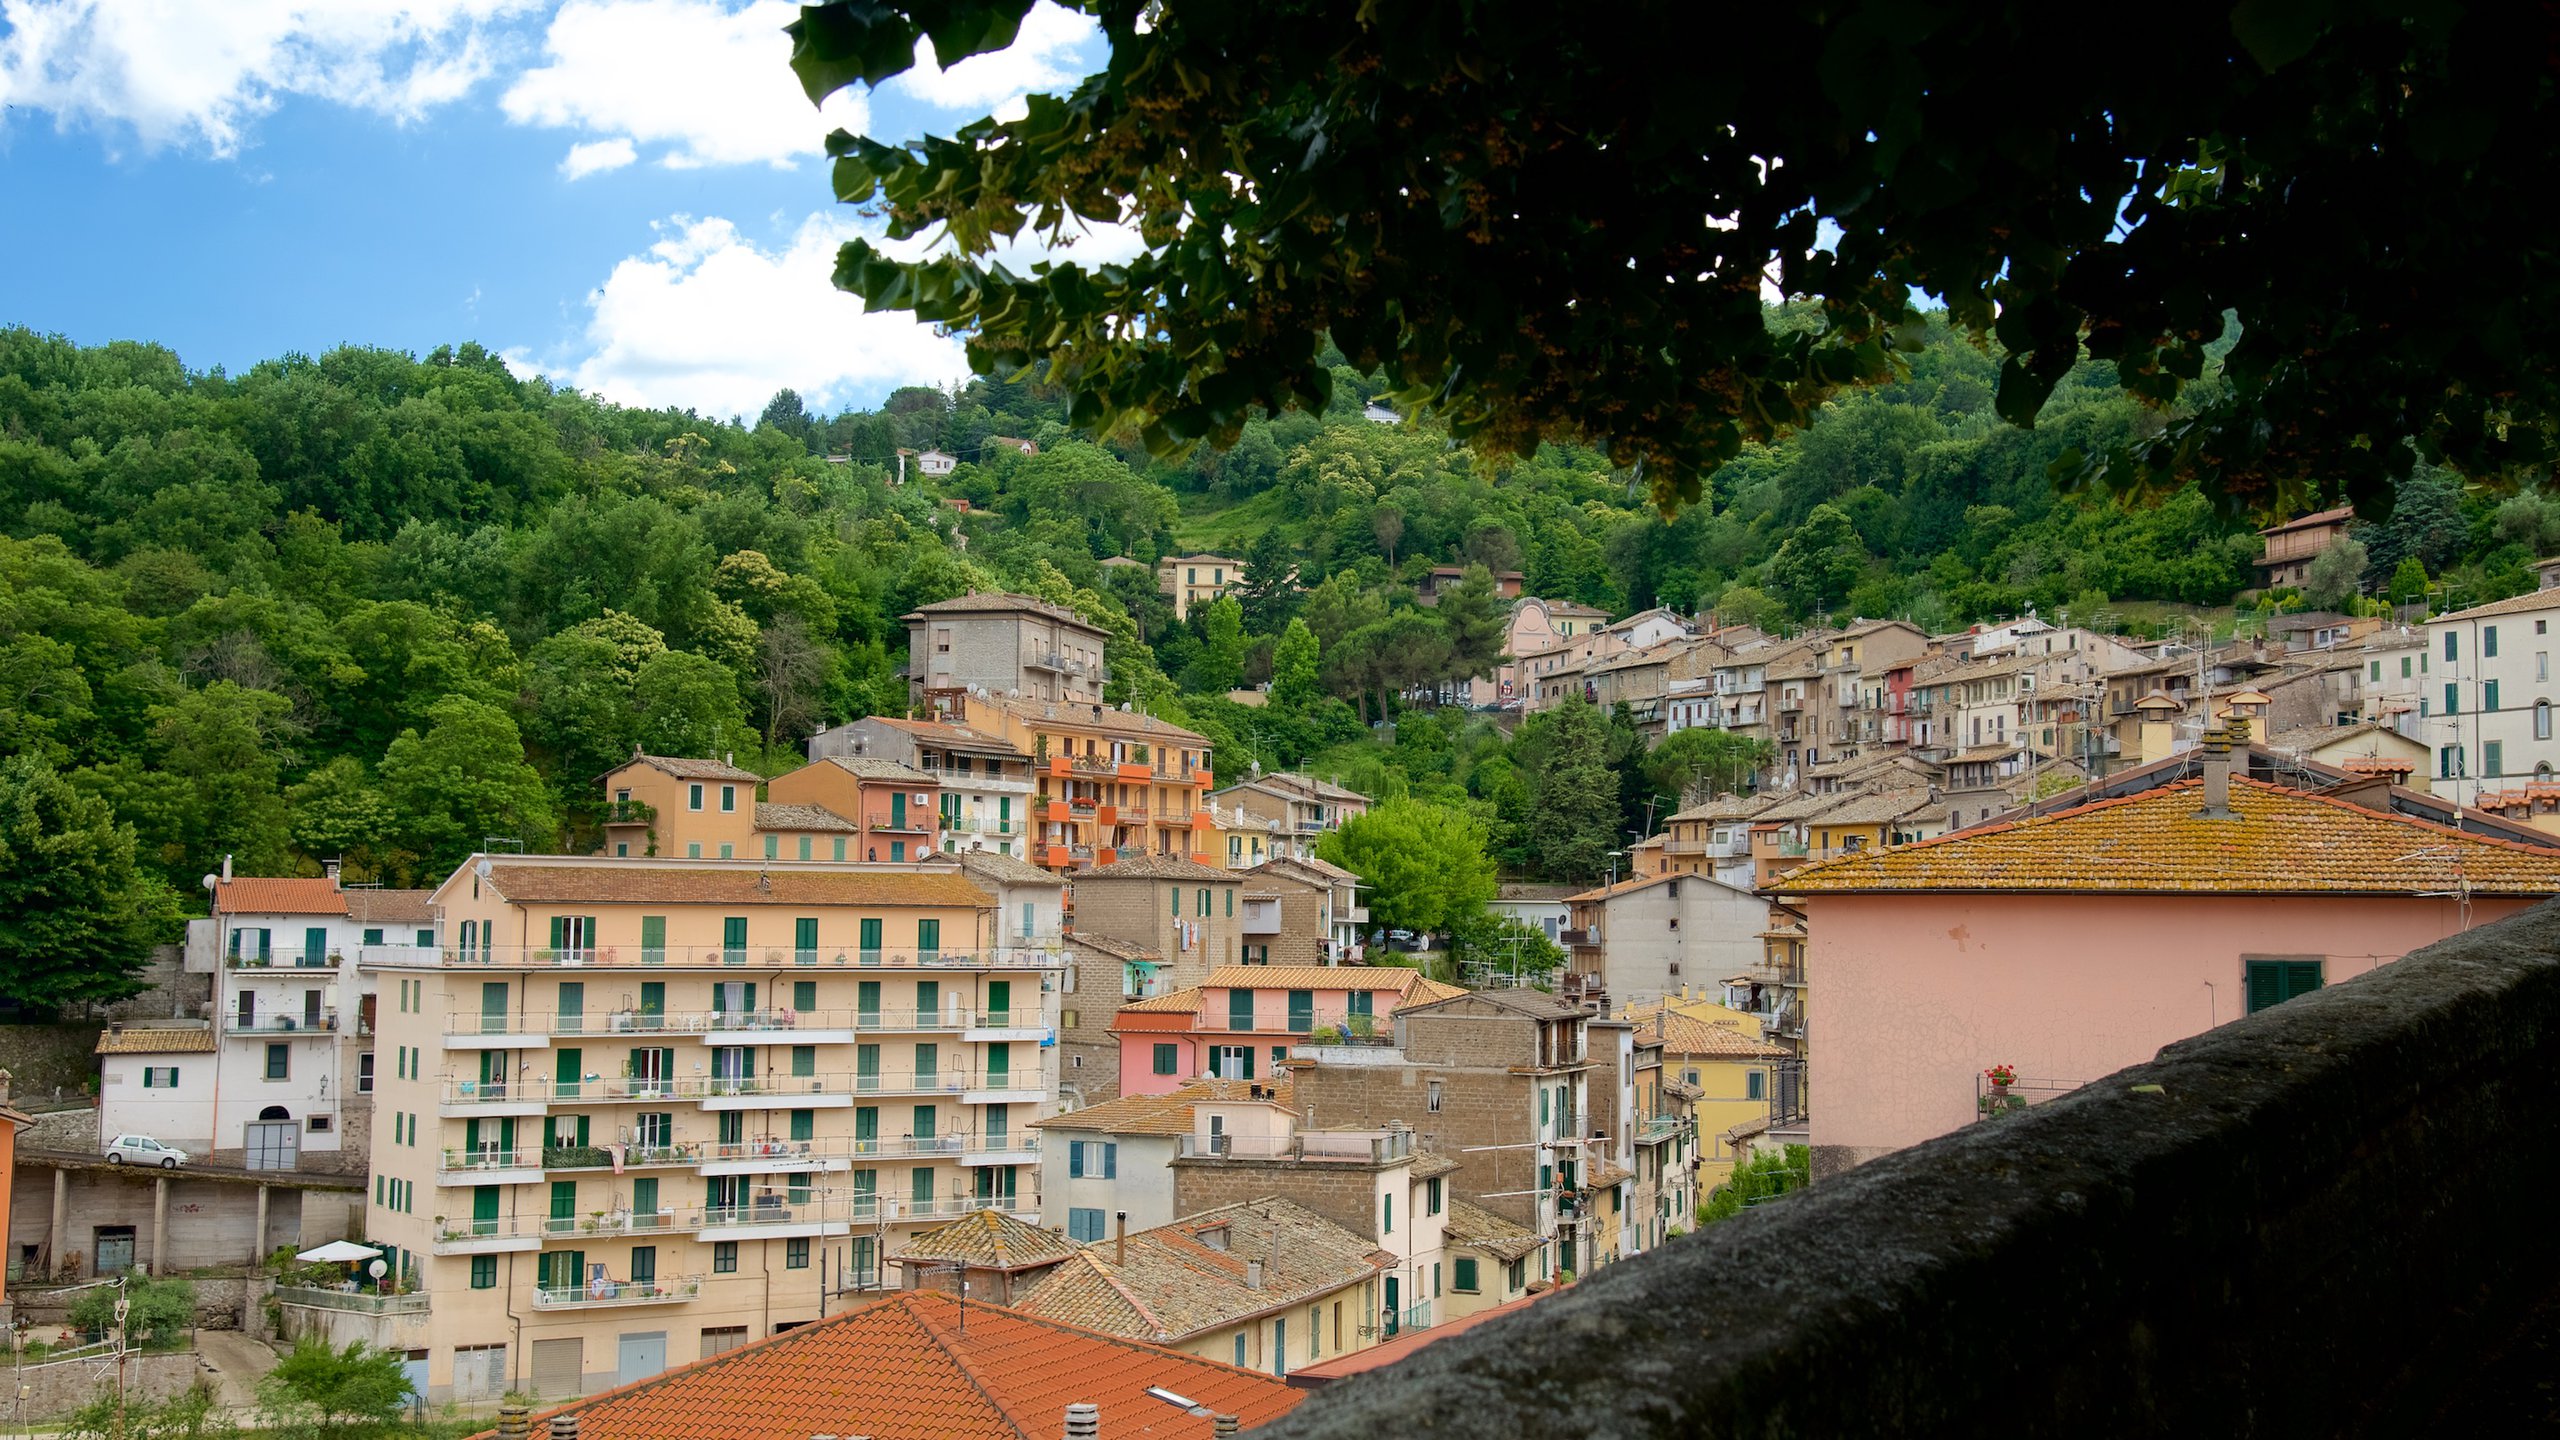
2002, 1075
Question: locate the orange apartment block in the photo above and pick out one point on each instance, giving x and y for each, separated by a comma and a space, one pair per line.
1111, 784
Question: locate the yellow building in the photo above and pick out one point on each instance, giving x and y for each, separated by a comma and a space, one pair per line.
1191, 581
633, 1112
1111, 784
1718, 1054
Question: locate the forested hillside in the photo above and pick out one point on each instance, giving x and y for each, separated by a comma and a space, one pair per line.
391, 609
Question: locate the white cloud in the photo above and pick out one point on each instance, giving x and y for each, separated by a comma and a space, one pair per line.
713, 86
598, 156
1047, 54
708, 318
189, 72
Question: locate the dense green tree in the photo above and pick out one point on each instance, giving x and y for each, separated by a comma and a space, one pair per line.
1295, 666
338, 814
462, 784
1701, 759
78, 916
1474, 619
687, 705
319, 1389
1813, 570
1218, 667
2336, 575
1425, 865
1574, 796
1267, 588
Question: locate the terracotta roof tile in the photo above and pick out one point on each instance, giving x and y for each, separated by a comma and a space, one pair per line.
1157, 867
732, 885
1398, 978
187, 1040
1185, 1001
953, 737
911, 1368
776, 815
881, 767
2280, 842
1477, 1228
989, 1239
1001, 602
1192, 1276
1005, 869
1165, 1114
687, 769
278, 895
390, 907
1685, 1035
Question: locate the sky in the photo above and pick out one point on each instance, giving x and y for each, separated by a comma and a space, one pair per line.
628, 196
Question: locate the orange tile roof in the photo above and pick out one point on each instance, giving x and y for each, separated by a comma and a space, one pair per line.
2528, 601
731, 885
989, 1239
277, 895
1185, 1001
909, 1368
1687, 1035
2280, 842
1207, 1271
1398, 978
687, 768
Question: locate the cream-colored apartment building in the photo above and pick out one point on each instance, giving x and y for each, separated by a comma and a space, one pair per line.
635, 1111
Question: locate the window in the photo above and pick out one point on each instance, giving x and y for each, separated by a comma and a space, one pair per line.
2449, 763
2488, 694
804, 846
159, 1077
1755, 1085
1465, 1279
279, 1062
2377, 672
1231, 904
2541, 664
2488, 642
1386, 1215
721, 1339
728, 799
2541, 719
1176, 892
1431, 1196
644, 1264
2452, 698
1168, 1059
1084, 1225
2404, 667
724, 1257
795, 1253
484, 1272
2452, 647
2274, 981
364, 1073
773, 847
2493, 757
319, 1125
693, 797
1431, 1097
1202, 909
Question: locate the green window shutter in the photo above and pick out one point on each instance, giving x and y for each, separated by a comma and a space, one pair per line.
839, 848
653, 997
999, 1065
315, 945
653, 939
566, 1071
1240, 1009
564, 1199
870, 942
1231, 904
804, 995
644, 1195
773, 847
804, 937
559, 931
920, 1185
373, 937
804, 1060
999, 1002
866, 1123
928, 997
2301, 977
1466, 1276
733, 937
929, 937
927, 1122
1302, 1011
2266, 984
1177, 902
1168, 1059
804, 1124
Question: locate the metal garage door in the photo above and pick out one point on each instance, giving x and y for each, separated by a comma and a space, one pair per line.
479, 1372
271, 1144
413, 1368
643, 1355
558, 1367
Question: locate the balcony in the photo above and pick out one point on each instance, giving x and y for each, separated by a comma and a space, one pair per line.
463, 1031
691, 957
1045, 660
1357, 1147
611, 1294
531, 1095
759, 1027
298, 962
774, 1217
913, 822
359, 1302
607, 1224
1660, 1128
488, 1165
1023, 1149
1583, 936
269, 1026
487, 1237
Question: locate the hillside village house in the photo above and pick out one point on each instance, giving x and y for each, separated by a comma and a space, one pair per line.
1240, 1022
1643, 938
1143, 927
1196, 580
1302, 912
2490, 728
983, 781
1007, 646
1297, 809
1736, 1076
1108, 784
2293, 545
2072, 944
635, 1112
1112, 1160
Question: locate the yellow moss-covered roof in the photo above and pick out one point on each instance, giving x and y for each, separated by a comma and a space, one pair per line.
2277, 842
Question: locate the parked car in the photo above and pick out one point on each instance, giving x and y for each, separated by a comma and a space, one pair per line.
143, 1150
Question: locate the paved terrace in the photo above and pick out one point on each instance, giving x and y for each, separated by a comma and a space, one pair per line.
2330, 1218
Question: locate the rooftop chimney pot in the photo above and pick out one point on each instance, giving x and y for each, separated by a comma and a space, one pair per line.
1084, 1422
512, 1424
564, 1427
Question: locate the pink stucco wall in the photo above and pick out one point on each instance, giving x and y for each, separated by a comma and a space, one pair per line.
1210, 1029
1912, 996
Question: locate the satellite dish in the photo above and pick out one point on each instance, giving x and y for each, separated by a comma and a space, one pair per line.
484, 867
377, 1269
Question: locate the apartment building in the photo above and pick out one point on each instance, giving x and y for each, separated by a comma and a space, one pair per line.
1641, 939
1240, 1023
1302, 912
983, 781
2293, 545
287, 1081
1642, 1147
1736, 1078
640, 1111
1145, 926
1535, 626
1296, 808
1712, 838
866, 808
2492, 689
1108, 1168
1192, 581
1107, 783
1004, 645
1495, 1079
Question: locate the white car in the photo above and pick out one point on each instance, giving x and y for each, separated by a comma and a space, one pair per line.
143, 1150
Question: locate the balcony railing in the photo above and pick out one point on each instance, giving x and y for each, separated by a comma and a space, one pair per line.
630, 812
297, 960
768, 957
302, 1024
362, 1302
606, 1223
600, 1294
1320, 1146
459, 1233
490, 1157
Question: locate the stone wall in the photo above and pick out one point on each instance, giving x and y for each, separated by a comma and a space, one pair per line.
1343, 1194
43, 1059
2322, 1220
169, 992
55, 1390
211, 1222
1478, 1108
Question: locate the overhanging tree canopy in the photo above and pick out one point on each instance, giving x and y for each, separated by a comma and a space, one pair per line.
1544, 220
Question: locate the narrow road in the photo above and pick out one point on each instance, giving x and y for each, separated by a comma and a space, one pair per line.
238, 1363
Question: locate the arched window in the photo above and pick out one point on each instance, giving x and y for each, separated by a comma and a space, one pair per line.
2541, 719
274, 1112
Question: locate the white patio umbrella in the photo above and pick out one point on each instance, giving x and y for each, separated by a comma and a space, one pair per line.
339, 1251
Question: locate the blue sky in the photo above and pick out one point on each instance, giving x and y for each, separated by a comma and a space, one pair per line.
626, 195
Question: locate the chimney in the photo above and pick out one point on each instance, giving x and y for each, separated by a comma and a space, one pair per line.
1222, 1426
564, 1427
512, 1424
1084, 1422
226, 869
1120, 1246
330, 867
1253, 1274
2217, 776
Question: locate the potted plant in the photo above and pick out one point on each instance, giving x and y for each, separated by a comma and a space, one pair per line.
2001, 1078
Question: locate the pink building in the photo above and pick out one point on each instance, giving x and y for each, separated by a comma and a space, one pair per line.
1240, 1022
2071, 945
